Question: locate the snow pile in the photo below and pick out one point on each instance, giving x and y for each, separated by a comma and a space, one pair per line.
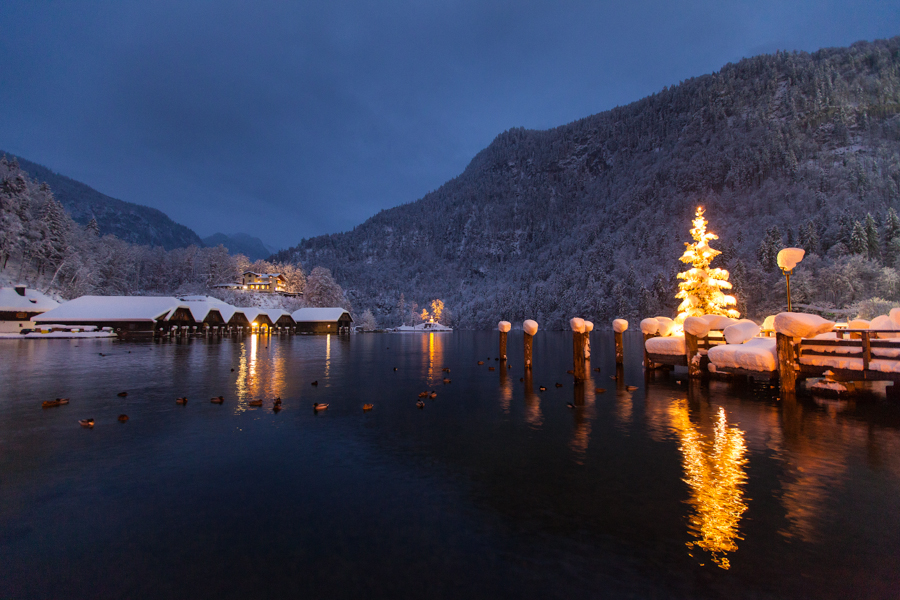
649, 326
895, 315
666, 326
890, 352
789, 257
719, 322
530, 327
504, 326
588, 326
577, 325
757, 354
801, 324
741, 331
835, 362
885, 322
696, 326
670, 346
620, 325
858, 324
769, 323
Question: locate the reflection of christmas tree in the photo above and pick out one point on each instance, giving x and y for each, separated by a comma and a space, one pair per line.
701, 291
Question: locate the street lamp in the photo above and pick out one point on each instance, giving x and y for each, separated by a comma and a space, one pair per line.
788, 258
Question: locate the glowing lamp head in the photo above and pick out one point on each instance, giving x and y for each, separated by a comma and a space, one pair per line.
788, 258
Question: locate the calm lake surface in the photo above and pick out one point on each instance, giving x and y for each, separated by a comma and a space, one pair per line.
492, 490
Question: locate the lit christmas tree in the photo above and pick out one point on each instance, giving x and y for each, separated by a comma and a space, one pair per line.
701, 291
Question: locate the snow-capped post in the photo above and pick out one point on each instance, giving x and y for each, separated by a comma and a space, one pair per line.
530, 328
504, 327
787, 260
650, 329
619, 327
784, 348
578, 328
694, 328
588, 328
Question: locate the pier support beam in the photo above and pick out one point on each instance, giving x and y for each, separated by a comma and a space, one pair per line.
692, 354
504, 327
619, 327
784, 345
530, 328
578, 359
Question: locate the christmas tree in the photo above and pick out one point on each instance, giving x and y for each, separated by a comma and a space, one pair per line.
701, 291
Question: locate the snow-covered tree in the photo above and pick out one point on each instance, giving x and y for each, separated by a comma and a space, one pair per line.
367, 321
700, 291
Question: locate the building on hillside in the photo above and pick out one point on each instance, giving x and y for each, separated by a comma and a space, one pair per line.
270, 283
322, 320
127, 315
18, 304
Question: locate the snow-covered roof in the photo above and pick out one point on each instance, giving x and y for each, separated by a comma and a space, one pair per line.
263, 274
32, 301
275, 313
251, 312
112, 308
318, 315
208, 299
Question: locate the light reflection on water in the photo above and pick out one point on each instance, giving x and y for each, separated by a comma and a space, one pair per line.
554, 500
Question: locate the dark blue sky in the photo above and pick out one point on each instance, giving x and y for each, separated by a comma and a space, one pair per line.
292, 119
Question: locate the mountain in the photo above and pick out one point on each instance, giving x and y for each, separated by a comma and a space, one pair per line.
129, 222
589, 218
240, 243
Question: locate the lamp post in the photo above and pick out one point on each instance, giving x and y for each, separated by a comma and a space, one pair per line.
788, 258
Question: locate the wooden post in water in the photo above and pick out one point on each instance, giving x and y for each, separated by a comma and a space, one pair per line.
691, 353
504, 327
784, 345
588, 328
530, 328
619, 327
580, 368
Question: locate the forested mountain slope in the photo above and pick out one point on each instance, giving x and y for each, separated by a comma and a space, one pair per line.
590, 218
129, 222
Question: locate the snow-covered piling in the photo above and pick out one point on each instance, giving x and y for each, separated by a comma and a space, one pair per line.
503, 327
588, 328
578, 329
619, 327
529, 328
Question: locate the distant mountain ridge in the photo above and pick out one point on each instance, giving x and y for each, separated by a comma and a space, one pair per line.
589, 218
240, 243
130, 222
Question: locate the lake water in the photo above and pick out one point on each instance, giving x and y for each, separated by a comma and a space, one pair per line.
492, 490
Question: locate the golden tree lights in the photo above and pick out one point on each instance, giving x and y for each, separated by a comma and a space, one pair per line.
700, 291
716, 477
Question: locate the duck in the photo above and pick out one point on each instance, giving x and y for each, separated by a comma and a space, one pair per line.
423, 394
599, 390
395, 368
445, 370
317, 406
255, 403
123, 418
491, 369
277, 401
631, 388
368, 406
480, 362
613, 377
558, 385
542, 388
521, 379
446, 380
122, 394
570, 372
433, 395
181, 401
570, 405
597, 369
232, 370
49, 403
276, 408
217, 400
86, 422
316, 382
62, 400
420, 404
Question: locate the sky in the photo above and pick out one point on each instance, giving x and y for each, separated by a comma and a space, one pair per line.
291, 119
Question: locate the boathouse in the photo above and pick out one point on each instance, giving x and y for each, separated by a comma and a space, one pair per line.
18, 304
322, 320
127, 315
